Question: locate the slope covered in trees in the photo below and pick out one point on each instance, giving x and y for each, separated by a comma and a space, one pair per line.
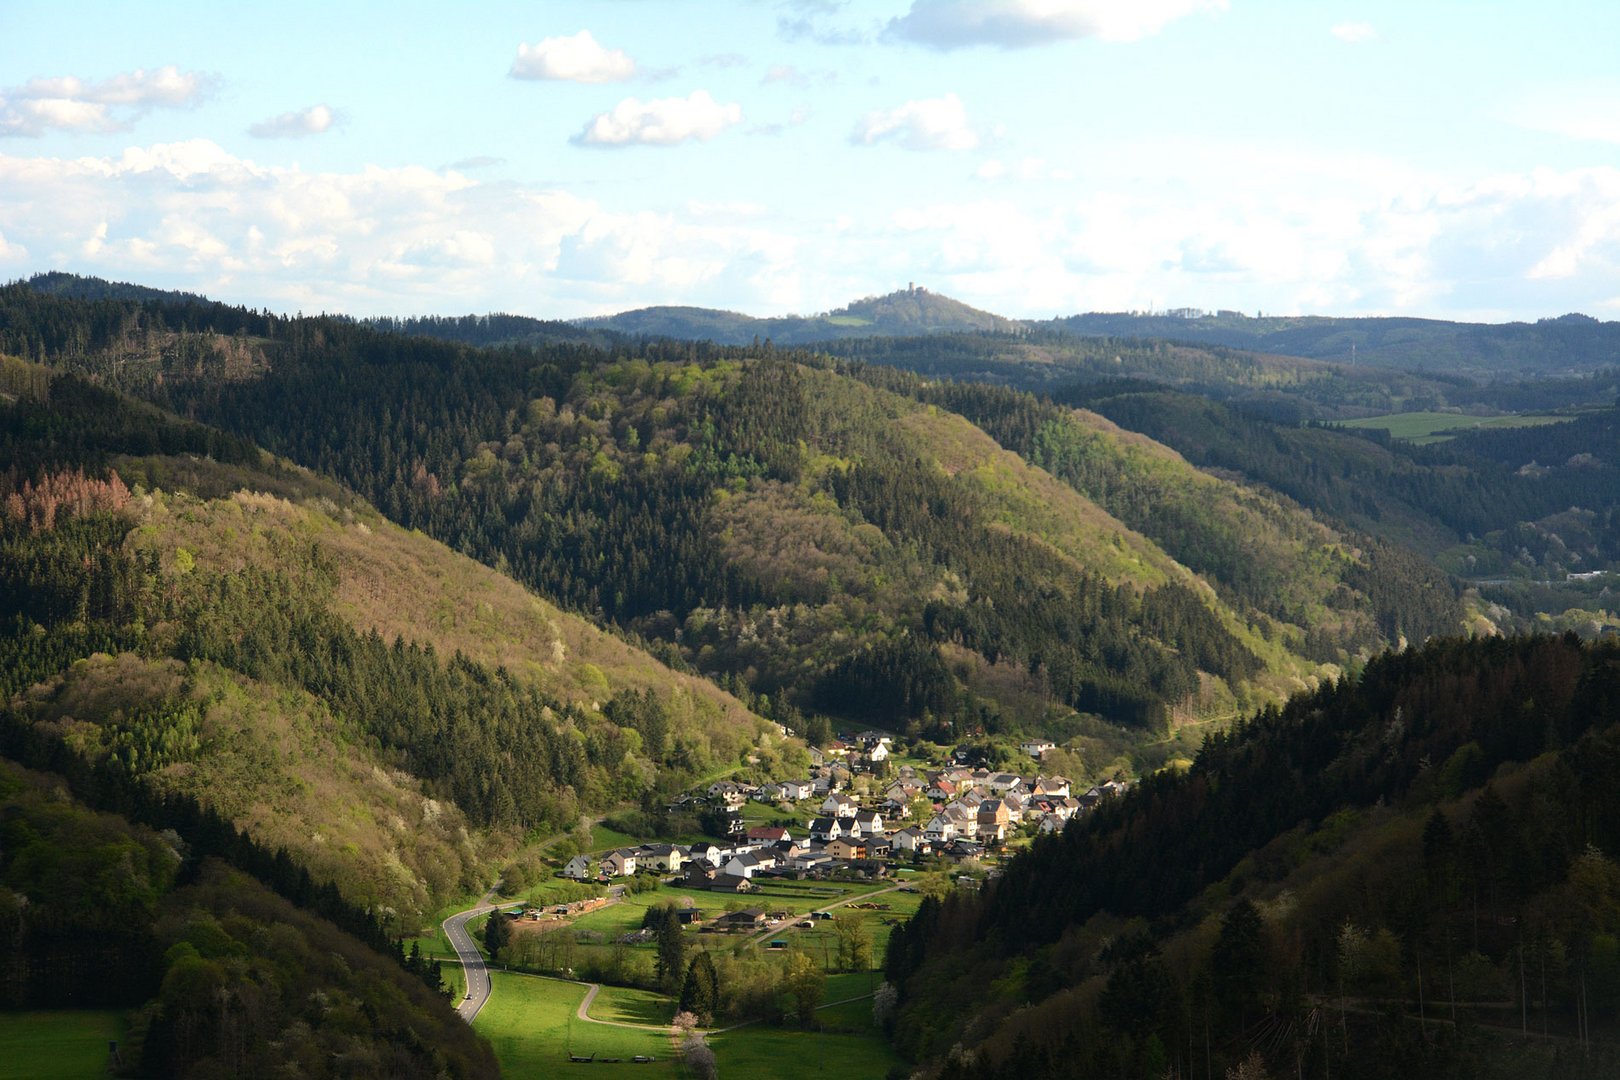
221, 975
1526, 502
757, 516
1336, 592
1401, 874
222, 642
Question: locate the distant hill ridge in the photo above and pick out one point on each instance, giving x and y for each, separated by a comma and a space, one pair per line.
911, 311
1568, 345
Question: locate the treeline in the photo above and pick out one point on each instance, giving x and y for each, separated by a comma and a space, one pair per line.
482, 331
1094, 644
1433, 838
1557, 346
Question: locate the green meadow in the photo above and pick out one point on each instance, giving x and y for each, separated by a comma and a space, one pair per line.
64, 1044
1424, 428
530, 1021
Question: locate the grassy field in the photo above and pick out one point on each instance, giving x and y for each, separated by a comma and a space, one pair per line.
627, 1005
530, 1023
848, 1045
786, 1054
57, 1045
1424, 428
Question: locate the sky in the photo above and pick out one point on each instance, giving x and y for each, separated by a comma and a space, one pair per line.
1035, 158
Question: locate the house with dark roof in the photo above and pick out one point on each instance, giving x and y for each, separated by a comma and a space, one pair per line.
825, 829
740, 921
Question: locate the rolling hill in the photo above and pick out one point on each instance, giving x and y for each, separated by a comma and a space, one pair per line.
240, 632
781, 525
908, 312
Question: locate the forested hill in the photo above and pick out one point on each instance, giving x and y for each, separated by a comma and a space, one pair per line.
1379, 879
160, 909
909, 311
1512, 505
79, 287
257, 638
1568, 345
780, 525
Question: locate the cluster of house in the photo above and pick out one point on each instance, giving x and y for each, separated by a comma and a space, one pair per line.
732, 866
968, 810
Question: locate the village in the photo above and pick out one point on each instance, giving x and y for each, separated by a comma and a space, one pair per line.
956, 816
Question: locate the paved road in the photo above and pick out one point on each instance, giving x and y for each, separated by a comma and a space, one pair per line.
472, 961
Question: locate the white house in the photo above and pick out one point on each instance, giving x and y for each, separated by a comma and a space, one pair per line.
795, 790
578, 868
709, 854
839, 805
911, 838
621, 863
749, 864
826, 828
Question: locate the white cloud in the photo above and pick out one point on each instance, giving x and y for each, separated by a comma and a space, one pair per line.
10, 252
662, 122
572, 59
925, 124
1016, 24
1354, 33
295, 125
376, 240
1291, 232
68, 103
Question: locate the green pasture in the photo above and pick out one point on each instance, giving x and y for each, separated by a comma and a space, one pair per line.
627, 1005
62, 1044
1424, 428
788, 1054
531, 1024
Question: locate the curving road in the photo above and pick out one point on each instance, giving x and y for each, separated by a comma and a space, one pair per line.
472, 961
